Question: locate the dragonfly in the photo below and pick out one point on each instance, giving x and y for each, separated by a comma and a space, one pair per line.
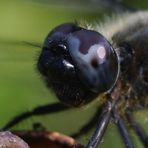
80, 62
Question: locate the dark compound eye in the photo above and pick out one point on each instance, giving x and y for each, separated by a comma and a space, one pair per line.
94, 59
58, 34
54, 46
78, 64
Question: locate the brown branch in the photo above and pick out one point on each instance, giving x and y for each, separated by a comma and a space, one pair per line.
42, 139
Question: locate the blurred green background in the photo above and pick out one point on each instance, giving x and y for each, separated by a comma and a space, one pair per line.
21, 87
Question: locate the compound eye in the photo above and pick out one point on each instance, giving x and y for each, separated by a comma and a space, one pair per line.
58, 34
54, 49
94, 58
60, 49
66, 28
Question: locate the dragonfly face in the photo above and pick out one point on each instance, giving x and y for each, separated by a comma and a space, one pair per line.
89, 65
78, 64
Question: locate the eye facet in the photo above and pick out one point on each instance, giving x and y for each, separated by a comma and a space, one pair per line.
94, 58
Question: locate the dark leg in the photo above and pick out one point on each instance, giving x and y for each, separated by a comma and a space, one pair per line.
137, 128
104, 119
101, 127
123, 130
87, 127
41, 110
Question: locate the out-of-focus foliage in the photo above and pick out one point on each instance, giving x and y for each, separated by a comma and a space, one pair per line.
21, 87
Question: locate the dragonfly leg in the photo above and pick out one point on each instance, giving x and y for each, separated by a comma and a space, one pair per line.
88, 126
40, 110
137, 128
103, 122
123, 129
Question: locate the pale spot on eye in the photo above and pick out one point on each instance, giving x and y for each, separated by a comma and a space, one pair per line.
101, 52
